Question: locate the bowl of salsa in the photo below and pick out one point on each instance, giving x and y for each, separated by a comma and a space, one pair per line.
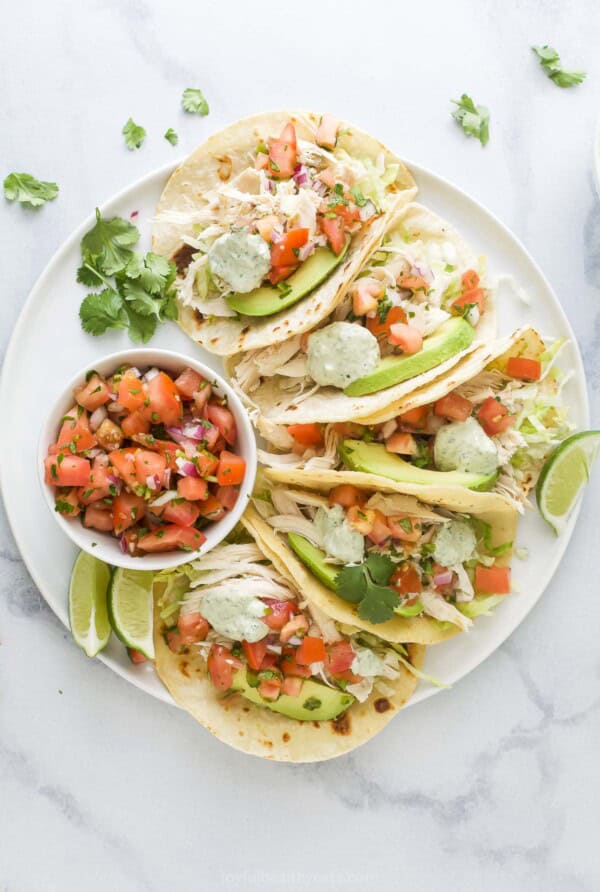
148, 459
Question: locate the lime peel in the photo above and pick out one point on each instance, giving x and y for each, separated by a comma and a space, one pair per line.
88, 614
130, 609
564, 475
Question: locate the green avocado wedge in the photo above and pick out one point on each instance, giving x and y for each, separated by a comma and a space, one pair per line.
453, 336
268, 299
373, 458
315, 703
314, 559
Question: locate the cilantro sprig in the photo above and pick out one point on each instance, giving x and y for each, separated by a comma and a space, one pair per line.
193, 101
474, 119
550, 62
367, 585
26, 189
134, 134
138, 290
171, 136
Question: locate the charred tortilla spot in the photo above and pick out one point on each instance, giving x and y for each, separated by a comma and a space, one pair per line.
183, 257
198, 316
246, 708
245, 330
224, 168
316, 724
267, 743
183, 668
382, 704
285, 737
341, 725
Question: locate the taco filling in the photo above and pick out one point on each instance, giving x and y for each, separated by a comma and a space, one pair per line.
388, 555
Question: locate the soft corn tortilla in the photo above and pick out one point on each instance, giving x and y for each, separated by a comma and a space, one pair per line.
222, 157
257, 730
276, 401
489, 507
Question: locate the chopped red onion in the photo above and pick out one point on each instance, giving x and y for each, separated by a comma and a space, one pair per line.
115, 408
300, 175
153, 481
150, 374
123, 544
167, 477
305, 251
422, 270
197, 430
97, 417
441, 579
96, 452
163, 498
186, 468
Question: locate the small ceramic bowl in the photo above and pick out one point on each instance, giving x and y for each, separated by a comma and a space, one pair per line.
105, 546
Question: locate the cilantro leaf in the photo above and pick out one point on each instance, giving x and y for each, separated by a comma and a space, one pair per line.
171, 136
157, 273
550, 62
351, 583
26, 189
102, 310
366, 584
380, 567
134, 134
89, 275
474, 119
141, 328
378, 604
108, 245
193, 101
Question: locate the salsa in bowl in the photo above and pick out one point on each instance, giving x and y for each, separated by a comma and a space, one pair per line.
148, 459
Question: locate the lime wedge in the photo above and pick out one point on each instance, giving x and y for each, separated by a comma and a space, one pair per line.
88, 616
564, 475
130, 608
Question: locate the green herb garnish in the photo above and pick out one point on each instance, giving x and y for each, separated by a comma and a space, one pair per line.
550, 62
26, 189
171, 136
134, 134
193, 101
366, 584
474, 119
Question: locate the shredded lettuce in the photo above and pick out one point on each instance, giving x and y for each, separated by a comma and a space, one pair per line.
480, 606
377, 177
483, 531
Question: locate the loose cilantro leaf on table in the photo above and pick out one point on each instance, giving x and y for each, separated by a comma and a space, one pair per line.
101, 311
26, 189
474, 119
171, 136
366, 584
134, 134
107, 247
550, 62
193, 101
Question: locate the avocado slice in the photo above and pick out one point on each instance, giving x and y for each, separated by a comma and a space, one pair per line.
315, 703
314, 559
268, 299
453, 336
373, 458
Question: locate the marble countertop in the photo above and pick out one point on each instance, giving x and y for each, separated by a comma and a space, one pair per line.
494, 783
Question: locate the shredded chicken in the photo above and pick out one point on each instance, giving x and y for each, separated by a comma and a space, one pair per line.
437, 607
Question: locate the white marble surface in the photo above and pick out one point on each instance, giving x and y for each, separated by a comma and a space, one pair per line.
492, 784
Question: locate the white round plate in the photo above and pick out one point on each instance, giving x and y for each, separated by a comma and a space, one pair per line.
48, 346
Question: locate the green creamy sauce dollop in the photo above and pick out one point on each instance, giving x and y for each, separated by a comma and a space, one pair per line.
465, 446
240, 259
339, 539
454, 544
341, 353
234, 614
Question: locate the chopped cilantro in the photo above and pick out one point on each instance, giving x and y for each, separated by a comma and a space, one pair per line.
26, 189
550, 62
171, 136
193, 101
134, 134
474, 119
359, 198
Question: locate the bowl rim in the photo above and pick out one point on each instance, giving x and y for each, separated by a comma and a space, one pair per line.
106, 547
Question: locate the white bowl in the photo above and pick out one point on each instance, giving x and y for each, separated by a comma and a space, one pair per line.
105, 546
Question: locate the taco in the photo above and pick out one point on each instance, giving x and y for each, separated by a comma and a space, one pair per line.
268, 222
408, 563
489, 424
420, 304
243, 648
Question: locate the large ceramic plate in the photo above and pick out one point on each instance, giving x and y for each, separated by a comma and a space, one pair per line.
48, 347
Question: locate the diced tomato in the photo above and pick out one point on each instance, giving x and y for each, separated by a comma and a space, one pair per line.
526, 369
399, 522
136, 656
408, 338
494, 417
75, 432
416, 417
312, 650
382, 329
131, 393
291, 686
279, 273
361, 519
173, 639
346, 209
227, 496
475, 297
65, 469
127, 510
202, 396
298, 625
406, 580
345, 495
67, 502
194, 489
270, 688
349, 429
266, 225
99, 487
231, 469
188, 383
270, 661
492, 580
165, 402
412, 283
171, 537
149, 464
192, 627
284, 252
380, 531
283, 153
224, 421
290, 666
211, 508
98, 518
93, 394
137, 422
401, 443
339, 657
184, 514
333, 227
255, 653
167, 448
306, 434
454, 407
327, 131
470, 280
280, 614
123, 462
365, 296
206, 463
221, 666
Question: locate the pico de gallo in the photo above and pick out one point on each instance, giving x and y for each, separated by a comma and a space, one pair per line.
148, 457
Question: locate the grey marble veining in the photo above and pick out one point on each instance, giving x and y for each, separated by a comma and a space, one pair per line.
492, 784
